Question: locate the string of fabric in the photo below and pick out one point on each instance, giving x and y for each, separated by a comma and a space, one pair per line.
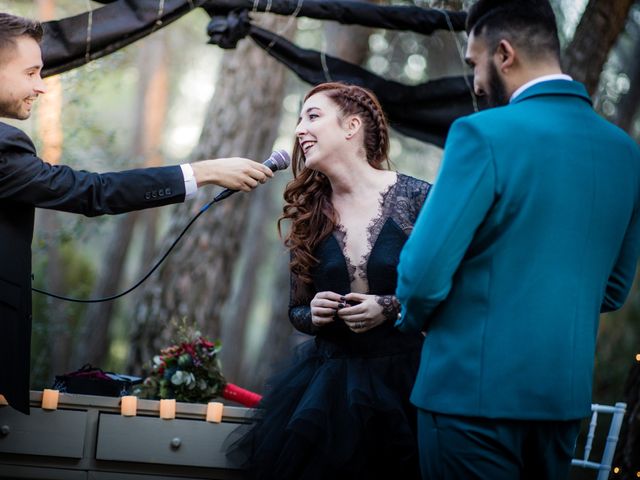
292, 18
461, 56
159, 16
87, 52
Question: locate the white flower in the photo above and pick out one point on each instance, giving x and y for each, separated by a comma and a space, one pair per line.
190, 381
179, 378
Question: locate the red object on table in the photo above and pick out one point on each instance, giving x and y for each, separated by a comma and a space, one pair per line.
241, 395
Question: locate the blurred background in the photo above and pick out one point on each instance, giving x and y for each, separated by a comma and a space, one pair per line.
171, 98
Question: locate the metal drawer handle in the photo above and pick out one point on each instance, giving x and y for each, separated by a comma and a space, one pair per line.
5, 430
176, 442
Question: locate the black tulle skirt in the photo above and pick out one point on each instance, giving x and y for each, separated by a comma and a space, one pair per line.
334, 415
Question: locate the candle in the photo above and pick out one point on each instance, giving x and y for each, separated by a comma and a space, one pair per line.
168, 409
214, 412
128, 405
50, 399
3, 401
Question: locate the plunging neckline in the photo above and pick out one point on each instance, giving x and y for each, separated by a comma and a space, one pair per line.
374, 227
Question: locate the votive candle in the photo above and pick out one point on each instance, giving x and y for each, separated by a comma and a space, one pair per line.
214, 412
128, 405
168, 409
50, 399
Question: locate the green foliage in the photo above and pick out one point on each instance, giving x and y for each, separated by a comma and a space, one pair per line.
618, 345
77, 277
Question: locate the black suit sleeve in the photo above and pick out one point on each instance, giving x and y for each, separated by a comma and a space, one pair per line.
25, 178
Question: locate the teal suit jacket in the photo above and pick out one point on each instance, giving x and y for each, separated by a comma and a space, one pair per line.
531, 230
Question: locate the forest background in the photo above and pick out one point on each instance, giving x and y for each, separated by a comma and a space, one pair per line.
171, 98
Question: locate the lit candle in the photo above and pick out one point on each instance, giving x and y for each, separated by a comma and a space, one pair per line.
168, 409
50, 399
3, 401
128, 405
214, 412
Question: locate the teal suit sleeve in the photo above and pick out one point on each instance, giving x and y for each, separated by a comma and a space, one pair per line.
458, 203
623, 272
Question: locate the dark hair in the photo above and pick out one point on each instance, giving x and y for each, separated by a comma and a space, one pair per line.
12, 27
308, 196
528, 24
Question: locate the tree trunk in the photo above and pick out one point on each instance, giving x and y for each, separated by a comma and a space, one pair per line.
628, 106
150, 112
278, 339
236, 318
156, 104
599, 27
348, 42
50, 131
194, 282
94, 338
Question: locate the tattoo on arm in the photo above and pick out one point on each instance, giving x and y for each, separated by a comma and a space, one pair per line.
390, 306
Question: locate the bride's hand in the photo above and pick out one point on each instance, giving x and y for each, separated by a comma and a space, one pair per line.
324, 307
366, 314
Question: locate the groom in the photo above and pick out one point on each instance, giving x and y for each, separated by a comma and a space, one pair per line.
531, 230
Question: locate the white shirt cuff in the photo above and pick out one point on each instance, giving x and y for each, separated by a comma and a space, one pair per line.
190, 185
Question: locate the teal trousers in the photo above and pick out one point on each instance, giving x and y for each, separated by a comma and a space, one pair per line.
470, 448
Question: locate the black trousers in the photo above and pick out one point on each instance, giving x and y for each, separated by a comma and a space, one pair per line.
470, 448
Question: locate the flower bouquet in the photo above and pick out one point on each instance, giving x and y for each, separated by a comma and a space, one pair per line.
189, 371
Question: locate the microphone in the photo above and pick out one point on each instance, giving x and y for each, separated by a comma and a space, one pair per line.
278, 160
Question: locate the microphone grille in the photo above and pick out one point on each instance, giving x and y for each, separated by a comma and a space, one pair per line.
281, 159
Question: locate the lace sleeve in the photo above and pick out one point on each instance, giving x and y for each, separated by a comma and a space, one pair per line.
390, 307
410, 197
299, 306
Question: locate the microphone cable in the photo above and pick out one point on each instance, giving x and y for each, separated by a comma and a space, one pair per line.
278, 160
143, 279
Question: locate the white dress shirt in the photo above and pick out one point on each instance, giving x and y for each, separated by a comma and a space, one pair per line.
544, 78
190, 185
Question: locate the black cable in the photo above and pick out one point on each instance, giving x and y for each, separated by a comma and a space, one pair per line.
155, 267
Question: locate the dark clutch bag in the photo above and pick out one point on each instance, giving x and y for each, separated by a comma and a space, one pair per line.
90, 380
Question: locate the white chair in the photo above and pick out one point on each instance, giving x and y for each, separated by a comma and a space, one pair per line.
604, 466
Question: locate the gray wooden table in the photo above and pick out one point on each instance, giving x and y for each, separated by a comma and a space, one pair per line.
87, 438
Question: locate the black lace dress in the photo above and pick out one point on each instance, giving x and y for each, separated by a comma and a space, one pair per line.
342, 409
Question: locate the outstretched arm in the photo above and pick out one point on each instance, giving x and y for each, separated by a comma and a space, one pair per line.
25, 178
234, 173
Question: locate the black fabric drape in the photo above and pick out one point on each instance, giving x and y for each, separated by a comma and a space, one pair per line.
423, 111
113, 26
409, 18
122, 22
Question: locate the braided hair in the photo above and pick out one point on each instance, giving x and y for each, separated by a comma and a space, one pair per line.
308, 196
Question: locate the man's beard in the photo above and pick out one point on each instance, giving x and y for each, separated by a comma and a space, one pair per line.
11, 108
496, 91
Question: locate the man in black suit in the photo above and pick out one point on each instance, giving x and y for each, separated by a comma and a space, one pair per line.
26, 182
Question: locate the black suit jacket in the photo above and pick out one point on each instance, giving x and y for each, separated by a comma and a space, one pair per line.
27, 182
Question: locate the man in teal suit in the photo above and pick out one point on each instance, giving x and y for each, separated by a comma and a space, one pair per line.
531, 230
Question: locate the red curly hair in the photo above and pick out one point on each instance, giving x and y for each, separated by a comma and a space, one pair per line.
308, 196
